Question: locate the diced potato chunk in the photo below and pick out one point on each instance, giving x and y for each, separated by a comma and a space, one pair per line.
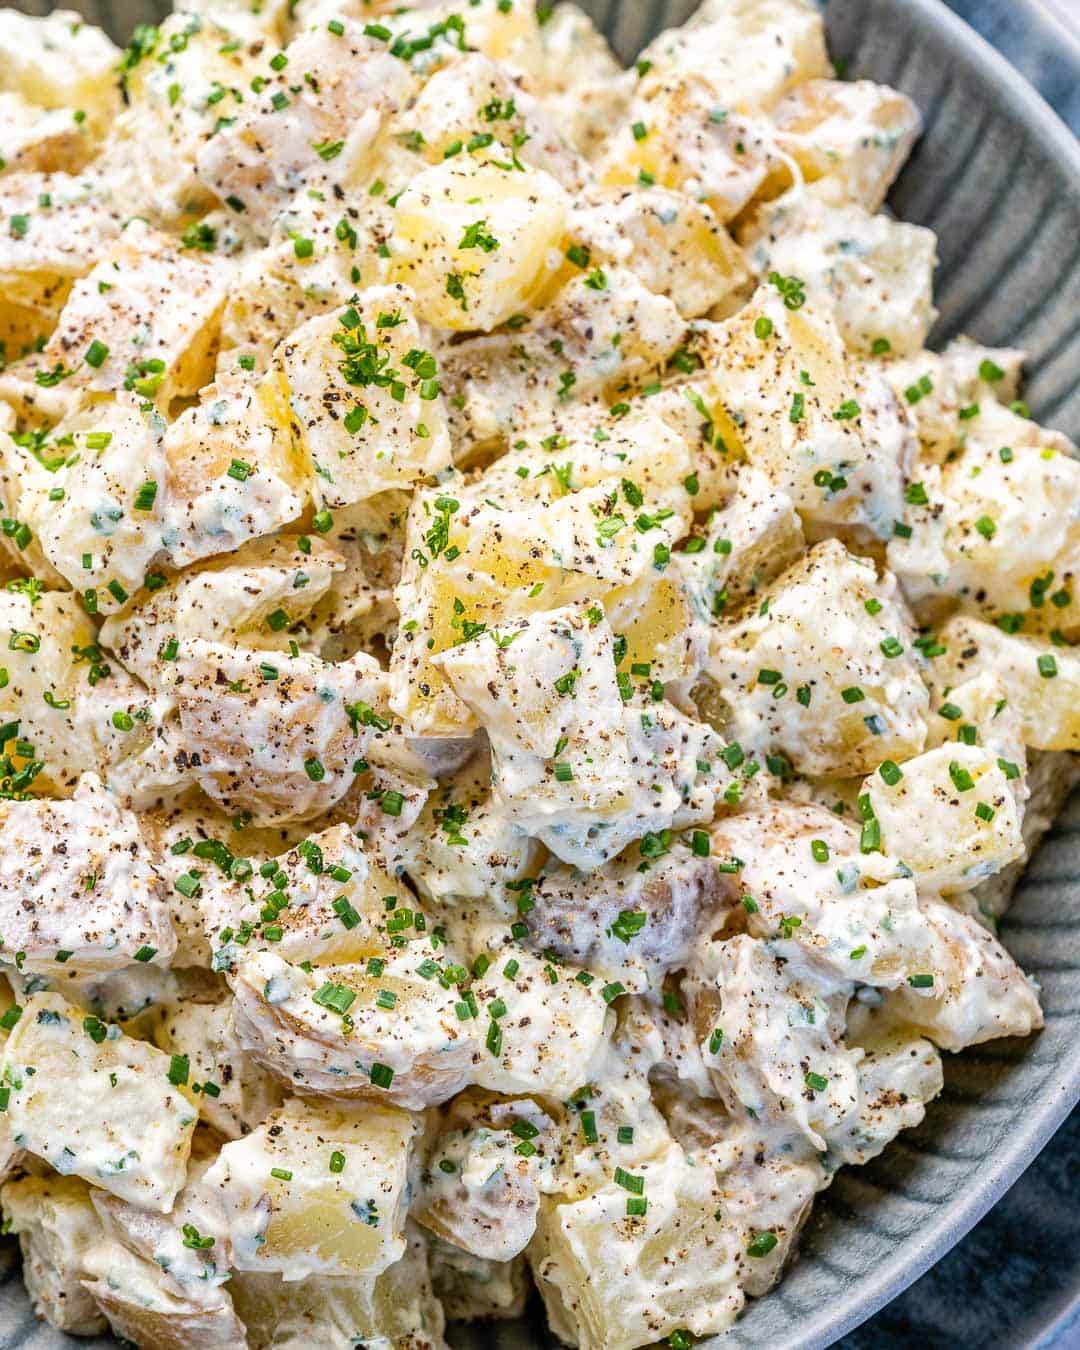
672, 242
995, 524
575, 543
474, 96
234, 473
46, 640
278, 745
839, 912
478, 1187
59, 61
298, 134
573, 766
781, 390
365, 399
477, 243
76, 886
898, 1076
673, 1266
230, 600
750, 541
38, 139
57, 1230
773, 1038
236, 1095
333, 1312
692, 144
161, 1281
38, 265
873, 273
111, 509
854, 136
289, 1211
976, 991
1041, 678
966, 794
610, 334
392, 1029
98, 1104
151, 329
335, 911
751, 51
819, 672
550, 1034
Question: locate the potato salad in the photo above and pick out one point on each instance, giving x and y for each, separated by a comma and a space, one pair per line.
525, 686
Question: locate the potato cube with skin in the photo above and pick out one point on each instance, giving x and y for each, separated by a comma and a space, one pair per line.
365, 398
780, 389
235, 1094
234, 473
831, 628
851, 136
76, 885
476, 242
624, 923
826, 906
393, 1028
975, 992
289, 139
668, 1262
57, 1230
229, 601
143, 1309
1040, 678
673, 243
120, 1121
289, 1211
550, 1033
478, 1188
111, 507
60, 61
151, 329
280, 746
872, 273
976, 820
162, 1279
751, 51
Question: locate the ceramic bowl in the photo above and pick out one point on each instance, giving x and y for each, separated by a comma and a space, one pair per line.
997, 177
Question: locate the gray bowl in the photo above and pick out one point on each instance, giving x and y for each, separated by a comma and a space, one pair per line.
997, 176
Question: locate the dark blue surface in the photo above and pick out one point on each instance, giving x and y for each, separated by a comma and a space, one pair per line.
1014, 1281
